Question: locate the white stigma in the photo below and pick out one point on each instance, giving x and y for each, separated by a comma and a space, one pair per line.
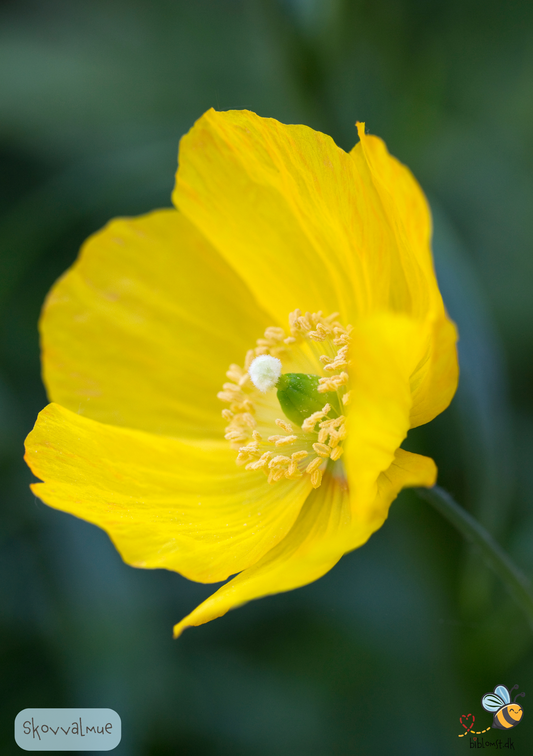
265, 371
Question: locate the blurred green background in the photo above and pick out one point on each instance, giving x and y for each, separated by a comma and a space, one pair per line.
384, 653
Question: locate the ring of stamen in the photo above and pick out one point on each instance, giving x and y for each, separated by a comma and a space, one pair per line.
277, 446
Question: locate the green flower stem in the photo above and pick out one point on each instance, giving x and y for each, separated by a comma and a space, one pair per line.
515, 580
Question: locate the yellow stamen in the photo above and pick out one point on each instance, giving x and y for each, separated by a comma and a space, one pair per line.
235, 436
322, 450
293, 471
245, 380
250, 357
323, 435
310, 422
286, 440
314, 465
251, 416
280, 461
336, 453
248, 419
316, 478
297, 456
333, 423
284, 425
275, 334
332, 383
235, 373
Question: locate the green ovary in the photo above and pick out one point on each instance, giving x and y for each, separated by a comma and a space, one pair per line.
299, 397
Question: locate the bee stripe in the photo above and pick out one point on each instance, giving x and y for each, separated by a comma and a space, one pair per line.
508, 716
505, 720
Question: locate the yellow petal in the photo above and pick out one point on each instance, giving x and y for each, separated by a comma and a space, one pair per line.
413, 282
323, 532
140, 331
290, 211
434, 382
164, 502
413, 285
385, 351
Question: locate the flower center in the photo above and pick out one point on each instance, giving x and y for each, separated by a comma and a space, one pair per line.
296, 384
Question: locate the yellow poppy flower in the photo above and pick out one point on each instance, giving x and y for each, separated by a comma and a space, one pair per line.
304, 274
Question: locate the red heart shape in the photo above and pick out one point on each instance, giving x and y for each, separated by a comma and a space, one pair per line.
466, 717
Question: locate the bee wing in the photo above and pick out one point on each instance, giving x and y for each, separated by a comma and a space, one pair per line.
501, 690
492, 702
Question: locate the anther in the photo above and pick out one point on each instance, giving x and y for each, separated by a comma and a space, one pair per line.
297, 456
314, 465
316, 478
322, 450
293, 471
286, 440
280, 461
322, 435
234, 373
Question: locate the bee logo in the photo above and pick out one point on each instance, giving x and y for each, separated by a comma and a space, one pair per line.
506, 714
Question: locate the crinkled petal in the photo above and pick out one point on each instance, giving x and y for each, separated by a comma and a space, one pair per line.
434, 382
290, 211
184, 506
323, 532
141, 330
413, 285
384, 352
